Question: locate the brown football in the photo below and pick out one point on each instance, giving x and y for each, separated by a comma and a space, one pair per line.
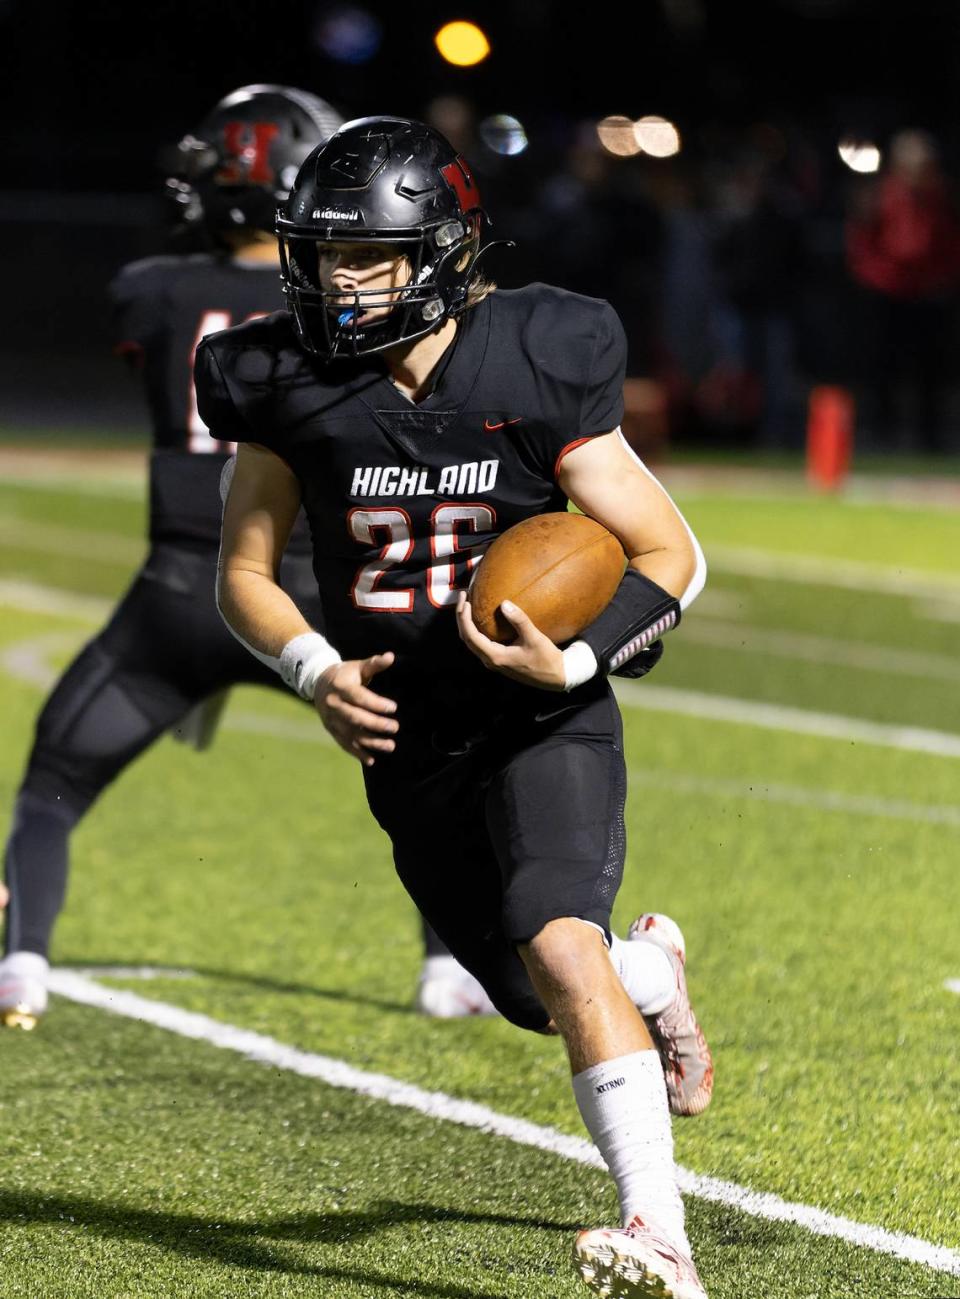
561, 569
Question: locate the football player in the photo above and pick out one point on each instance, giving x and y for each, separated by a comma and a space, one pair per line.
165, 660
415, 412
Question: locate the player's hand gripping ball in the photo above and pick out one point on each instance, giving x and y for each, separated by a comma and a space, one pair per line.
561, 569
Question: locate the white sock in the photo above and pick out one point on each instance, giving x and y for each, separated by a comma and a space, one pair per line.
646, 973
623, 1103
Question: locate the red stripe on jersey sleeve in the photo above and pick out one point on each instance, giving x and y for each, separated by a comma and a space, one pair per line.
565, 451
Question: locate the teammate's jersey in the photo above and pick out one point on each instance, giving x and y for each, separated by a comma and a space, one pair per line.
162, 307
403, 498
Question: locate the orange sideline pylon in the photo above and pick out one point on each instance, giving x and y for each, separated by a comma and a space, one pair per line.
830, 420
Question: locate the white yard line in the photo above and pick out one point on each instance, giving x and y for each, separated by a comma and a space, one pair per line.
145, 972
821, 649
28, 660
74, 543
438, 1105
780, 717
824, 800
32, 597
848, 574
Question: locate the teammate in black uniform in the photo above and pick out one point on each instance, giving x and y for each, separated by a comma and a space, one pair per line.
165, 660
415, 413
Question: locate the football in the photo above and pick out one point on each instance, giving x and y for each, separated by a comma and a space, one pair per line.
561, 569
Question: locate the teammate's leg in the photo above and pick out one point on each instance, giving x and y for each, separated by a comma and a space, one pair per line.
131, 683
445, 990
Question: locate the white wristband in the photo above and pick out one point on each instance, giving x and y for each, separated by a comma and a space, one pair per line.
579, 664
303, 659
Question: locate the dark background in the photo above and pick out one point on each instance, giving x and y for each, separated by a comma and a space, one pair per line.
89, 94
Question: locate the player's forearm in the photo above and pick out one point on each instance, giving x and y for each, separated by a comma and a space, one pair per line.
673, 569
258, 611
268, 624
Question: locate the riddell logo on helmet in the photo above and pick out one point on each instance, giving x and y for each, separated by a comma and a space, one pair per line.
335, 214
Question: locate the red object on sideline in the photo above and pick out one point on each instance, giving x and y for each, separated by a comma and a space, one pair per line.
829, 437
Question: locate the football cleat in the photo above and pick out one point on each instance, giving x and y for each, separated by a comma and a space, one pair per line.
635, 1261
447, 991
23, 990
687, 1062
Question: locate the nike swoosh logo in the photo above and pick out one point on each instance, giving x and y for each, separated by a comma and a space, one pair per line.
492, 428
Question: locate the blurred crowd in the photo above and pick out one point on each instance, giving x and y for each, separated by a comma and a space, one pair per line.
749, 268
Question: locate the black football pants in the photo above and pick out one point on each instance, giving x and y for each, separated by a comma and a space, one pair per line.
523, 828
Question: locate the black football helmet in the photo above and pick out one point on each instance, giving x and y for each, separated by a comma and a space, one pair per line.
380, 180
240, 163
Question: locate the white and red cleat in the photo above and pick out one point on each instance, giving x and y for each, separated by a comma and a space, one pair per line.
635, 1261
447, 991
23, 990
687, 1062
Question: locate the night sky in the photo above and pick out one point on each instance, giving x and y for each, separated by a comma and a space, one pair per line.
90, 91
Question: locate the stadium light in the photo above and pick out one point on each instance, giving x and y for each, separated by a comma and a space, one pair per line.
657, 137
463, 44
618, 136
503, 134
860, 155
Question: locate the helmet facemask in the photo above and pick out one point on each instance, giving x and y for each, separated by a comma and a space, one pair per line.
330, 321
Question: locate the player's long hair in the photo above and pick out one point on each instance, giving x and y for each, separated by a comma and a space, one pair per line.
478, 289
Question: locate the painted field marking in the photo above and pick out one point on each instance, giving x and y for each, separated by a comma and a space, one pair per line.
780, 717
847, 574
803, 796
437, 1105
32, 597
821, 649
145, 972
112, 548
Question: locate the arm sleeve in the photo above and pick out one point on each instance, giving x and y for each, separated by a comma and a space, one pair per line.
215, 402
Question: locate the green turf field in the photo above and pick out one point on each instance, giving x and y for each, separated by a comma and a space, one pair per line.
815, 879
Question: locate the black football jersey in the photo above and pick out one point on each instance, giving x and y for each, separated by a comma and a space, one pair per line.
162, 307
402, 499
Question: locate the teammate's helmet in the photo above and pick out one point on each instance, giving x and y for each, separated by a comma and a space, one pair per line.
240, 163
380, 180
